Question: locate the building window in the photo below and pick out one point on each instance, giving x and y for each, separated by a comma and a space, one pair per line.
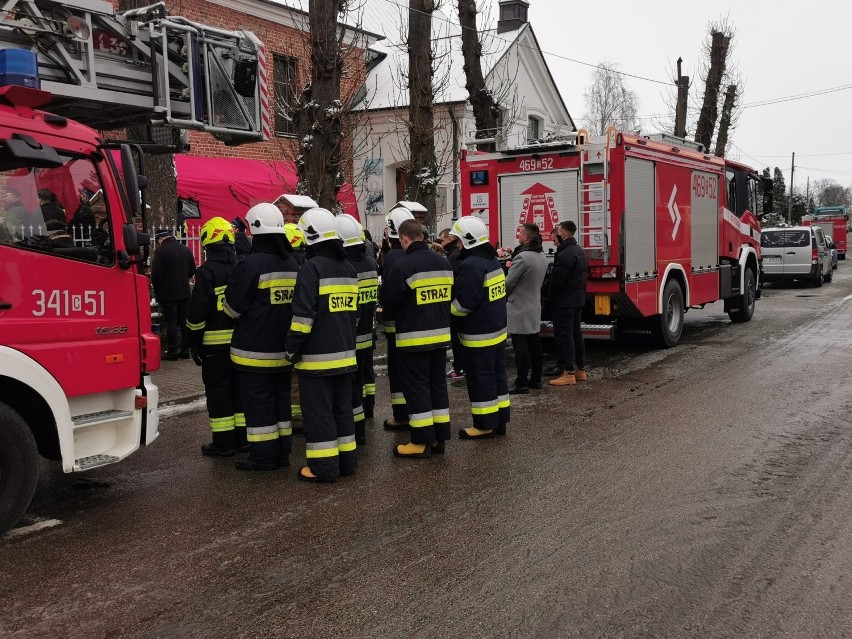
285, 81
534, 129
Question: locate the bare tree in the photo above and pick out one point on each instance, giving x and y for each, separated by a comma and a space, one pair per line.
486, 111
717, 69
423, 181
829, 192
725, 120
608, 101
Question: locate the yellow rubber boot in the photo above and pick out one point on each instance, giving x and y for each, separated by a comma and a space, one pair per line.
475, 433
417, 451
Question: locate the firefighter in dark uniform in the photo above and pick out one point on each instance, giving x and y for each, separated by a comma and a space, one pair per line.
399, 421
364, 381
297, 243
479, 300
210, 332
259, 296
416, 295
321, 342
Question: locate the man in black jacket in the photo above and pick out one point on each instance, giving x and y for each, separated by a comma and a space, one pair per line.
242, 242
568, 297
171, 269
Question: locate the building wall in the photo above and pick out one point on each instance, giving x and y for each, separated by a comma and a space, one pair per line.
278, 38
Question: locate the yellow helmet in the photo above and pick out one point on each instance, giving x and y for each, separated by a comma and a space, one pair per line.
294, 235
216, 229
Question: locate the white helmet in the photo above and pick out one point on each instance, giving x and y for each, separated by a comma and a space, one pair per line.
396, 217
265, 218
350, 230
471, 231
318, 226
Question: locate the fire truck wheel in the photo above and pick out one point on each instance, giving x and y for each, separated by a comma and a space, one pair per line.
669, 325
746, 306
18, 467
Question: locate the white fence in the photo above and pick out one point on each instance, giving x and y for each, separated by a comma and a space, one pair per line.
83, 236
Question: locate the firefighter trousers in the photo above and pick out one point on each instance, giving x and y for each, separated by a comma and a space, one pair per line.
266, 403
487, 387
224, 404
425, 386
329, 427
366, 381
400, 411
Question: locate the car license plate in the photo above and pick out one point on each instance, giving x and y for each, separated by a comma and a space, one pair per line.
771, 258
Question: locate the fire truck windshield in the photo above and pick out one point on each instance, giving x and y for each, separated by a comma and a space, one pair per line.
60, 209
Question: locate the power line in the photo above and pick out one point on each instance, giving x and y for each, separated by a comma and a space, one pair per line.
543, 52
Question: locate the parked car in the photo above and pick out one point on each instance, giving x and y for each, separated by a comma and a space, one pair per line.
795, 253
832, 247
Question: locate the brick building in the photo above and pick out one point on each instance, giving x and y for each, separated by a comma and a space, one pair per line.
283, 29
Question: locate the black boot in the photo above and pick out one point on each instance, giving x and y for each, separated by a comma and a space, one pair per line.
518, 389
211, 450
253, 464
552, 371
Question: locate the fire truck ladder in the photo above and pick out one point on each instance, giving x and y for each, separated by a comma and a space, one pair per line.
595, 219
111, 70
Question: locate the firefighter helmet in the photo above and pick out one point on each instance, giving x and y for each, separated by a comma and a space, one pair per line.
294, 235
350, 230
396, 217
471, 231
265, 218
216, 229
318, 226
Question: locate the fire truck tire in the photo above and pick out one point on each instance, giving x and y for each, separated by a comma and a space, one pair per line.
668, 326
18, 467
747, 300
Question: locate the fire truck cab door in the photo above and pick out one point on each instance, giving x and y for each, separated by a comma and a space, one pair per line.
66, 302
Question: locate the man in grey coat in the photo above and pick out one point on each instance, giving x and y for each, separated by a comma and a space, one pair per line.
523, 291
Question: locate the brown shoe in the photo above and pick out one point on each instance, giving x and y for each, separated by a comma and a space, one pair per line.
565, 379
580, 375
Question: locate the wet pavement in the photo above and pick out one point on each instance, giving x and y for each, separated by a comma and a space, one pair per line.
702, 491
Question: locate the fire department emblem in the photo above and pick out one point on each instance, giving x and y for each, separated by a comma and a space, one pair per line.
538, 209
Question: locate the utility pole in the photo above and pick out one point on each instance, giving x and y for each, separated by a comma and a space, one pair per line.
680, 108
808, 197
790, 204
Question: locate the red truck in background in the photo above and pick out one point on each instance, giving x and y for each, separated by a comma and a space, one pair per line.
665, 226
834, 221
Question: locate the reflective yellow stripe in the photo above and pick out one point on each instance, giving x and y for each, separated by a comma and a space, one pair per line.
279, 283
494, 280
390, 327
441, 415
369, 389
404, 342
346, 444
458, 310
482, 341
217, 338
431, 281
299, 327
259, 363
325, 365
338, 288
295, 410
195, 327
222, 424
397, 399
420, 420
323, 452
240, 420
265, 437
220, 289
487, 410
360, 346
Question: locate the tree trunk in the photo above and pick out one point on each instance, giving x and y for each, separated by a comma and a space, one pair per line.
710, 108
161, 194
485, 110
423, 182
318, 114
725, 120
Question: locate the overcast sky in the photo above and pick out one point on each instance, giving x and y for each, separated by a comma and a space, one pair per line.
783, 48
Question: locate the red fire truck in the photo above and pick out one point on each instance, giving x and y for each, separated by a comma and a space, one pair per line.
834, 221
76, 342
666, 226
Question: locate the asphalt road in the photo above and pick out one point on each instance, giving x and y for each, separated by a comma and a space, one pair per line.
702, 491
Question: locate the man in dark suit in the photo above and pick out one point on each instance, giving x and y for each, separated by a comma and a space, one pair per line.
171, 270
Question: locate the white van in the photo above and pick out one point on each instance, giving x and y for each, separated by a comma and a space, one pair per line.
795, 253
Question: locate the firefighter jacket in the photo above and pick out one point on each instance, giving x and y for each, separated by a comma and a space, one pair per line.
368, 293
259, 296
416, 296
209, 326
479, 298
392, 257
325, 314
